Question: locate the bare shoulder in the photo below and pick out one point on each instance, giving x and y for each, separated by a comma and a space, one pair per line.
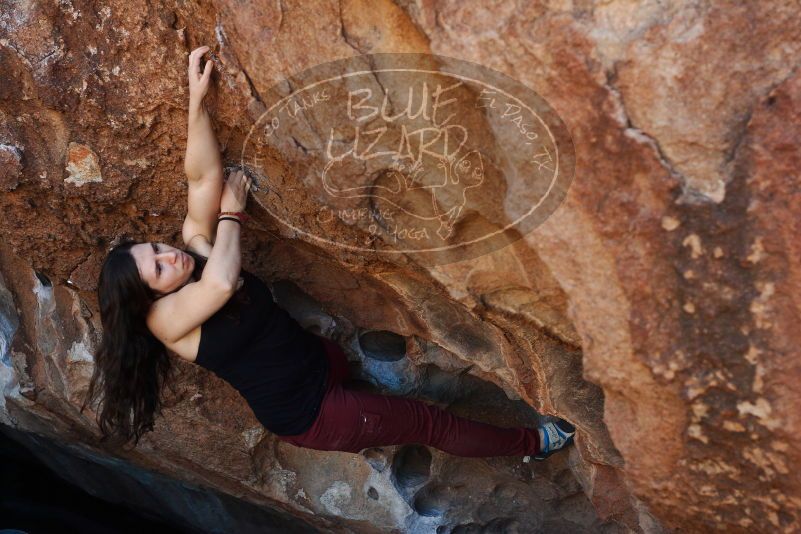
179, 315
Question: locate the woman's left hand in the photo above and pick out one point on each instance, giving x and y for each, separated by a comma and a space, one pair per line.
199, 81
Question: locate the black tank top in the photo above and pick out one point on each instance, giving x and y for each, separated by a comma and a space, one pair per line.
277, 366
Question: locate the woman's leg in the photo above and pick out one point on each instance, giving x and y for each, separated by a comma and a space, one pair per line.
354, 420
339, 370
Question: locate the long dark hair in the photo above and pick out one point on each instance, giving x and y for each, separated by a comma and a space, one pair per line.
131, 364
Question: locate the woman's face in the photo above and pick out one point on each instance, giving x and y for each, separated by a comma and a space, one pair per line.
162, 267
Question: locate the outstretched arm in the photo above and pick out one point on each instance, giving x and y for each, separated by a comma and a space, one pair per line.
202, 165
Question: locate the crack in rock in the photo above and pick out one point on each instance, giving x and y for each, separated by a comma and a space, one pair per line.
690, 195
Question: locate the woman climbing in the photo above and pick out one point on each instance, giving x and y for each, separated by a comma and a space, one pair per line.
202, 306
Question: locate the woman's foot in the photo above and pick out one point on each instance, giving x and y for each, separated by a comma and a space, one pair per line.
554, 436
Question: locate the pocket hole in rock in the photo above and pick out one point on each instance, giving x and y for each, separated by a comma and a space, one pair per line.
431, 501
43, 279
383, 345
411, 465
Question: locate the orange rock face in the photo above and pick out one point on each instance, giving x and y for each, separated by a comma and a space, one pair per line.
656, 308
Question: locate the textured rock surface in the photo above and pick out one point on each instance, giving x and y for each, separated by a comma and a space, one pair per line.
656, 309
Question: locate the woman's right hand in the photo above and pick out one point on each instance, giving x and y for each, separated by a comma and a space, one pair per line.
235, 191
199, 78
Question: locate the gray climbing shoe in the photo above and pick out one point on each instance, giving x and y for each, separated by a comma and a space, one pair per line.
553, 437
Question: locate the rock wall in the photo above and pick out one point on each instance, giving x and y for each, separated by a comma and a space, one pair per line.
656, 308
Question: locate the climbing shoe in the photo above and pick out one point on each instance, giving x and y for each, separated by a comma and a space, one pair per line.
554, 436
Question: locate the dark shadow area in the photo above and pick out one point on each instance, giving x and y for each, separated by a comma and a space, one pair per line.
34, 499
383, 345
48, 486
412, 465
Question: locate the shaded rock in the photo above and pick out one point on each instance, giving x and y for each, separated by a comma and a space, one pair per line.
185, 505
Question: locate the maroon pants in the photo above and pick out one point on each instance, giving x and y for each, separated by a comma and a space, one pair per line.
354, 420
